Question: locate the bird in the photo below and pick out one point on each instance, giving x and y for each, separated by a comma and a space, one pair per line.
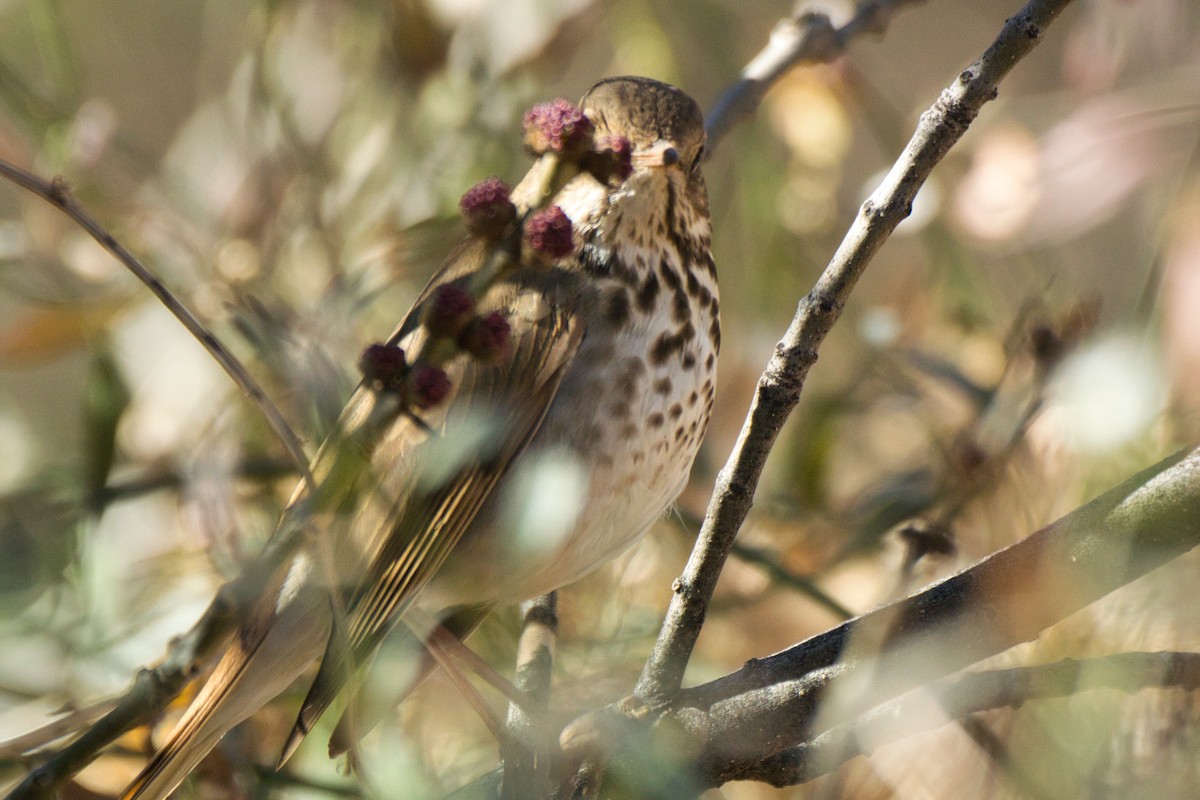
524, 423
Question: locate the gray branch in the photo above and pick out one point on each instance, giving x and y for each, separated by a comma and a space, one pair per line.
958, 698
779, 388
806, 37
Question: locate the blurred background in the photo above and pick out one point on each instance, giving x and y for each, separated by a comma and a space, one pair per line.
291, 169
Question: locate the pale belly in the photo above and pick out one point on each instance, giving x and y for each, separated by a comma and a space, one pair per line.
613, 453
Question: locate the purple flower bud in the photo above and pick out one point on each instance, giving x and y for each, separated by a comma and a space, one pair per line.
487, 208
548, 233
384, 365
449, 309
486, 338
429, 386
558, 127
613, 160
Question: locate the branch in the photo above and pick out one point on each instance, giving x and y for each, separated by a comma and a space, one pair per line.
57, 193
1010, 597
779, 388
526, 767
970, 694
804, 38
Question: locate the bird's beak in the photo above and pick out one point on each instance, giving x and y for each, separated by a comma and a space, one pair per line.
662, 153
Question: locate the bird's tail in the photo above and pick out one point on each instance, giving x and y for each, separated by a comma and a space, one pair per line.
254, 669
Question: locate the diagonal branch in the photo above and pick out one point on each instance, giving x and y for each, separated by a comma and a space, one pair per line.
1008, 598
779, 388
58, 194
806, 37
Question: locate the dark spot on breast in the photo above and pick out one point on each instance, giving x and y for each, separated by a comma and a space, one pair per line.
619, 410
628, 379
680, 307
714, 334
676, 410
680, 433
648, 293
662, 386
663, 347
670, 277
710, 361
616, 306
629, 431
689, 360
693, 283
655, 420
693, 398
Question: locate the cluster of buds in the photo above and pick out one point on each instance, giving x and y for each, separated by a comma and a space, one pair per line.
451, 317
454, 326
386, 368
563, 129
546, 234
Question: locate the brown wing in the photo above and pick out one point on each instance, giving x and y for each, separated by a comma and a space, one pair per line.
409, 524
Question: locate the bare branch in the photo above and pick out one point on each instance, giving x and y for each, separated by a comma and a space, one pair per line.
58, 194
969, 694
1010, 597
67, 724
806, 37
779, 388
526, 769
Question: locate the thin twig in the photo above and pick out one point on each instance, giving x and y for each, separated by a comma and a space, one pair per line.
779, 388
806, 37
60, 726
57, 193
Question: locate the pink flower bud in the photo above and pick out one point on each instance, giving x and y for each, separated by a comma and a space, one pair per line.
613, 160
384, 365
429, 386
449, 309
487, 208
486, 338
548, 233
558, 127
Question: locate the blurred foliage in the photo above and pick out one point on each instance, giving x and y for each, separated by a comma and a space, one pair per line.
291, 171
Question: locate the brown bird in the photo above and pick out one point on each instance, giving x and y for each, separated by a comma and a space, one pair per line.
528, 464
